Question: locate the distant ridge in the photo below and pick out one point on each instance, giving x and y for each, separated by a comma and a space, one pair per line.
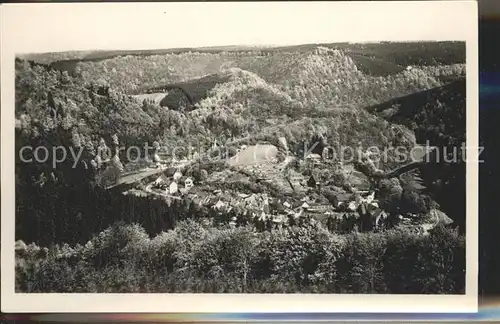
98, 55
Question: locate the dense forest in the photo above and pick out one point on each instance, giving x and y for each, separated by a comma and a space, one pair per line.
191, 258
84, 238
437, 116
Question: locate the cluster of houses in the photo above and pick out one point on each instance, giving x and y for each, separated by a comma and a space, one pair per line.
361, 210
360, 206
365, 210
258, 206
264, 208
175, 185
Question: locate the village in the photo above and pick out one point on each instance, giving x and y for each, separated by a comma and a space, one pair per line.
300, 197
267, 184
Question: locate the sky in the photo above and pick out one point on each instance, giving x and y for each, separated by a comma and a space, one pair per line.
51, 27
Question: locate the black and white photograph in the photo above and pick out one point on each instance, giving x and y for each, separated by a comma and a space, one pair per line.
321, 165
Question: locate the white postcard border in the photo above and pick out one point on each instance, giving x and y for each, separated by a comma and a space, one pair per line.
49, 27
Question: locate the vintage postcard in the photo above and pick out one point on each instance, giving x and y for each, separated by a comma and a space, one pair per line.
240, 157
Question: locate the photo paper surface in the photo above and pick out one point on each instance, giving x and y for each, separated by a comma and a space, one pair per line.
240, 157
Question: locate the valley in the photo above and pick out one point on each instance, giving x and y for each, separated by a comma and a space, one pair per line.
261, 156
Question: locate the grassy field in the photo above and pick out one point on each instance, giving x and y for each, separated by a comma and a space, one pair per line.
155, 97
254, 155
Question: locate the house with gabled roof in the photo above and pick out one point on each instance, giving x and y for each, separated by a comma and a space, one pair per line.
173, 188
162, 179
219, 204
188, 183
177, 175
313, 182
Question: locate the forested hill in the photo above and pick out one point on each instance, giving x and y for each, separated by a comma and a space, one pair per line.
299, 95
292, 99
437, 115
47, 99
415, 53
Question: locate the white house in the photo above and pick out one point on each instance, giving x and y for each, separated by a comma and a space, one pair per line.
177, 175
313, 156
298, 213
369, 199
161, 180
283, 143
219, 204
352, 206
173, 188
188, 183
